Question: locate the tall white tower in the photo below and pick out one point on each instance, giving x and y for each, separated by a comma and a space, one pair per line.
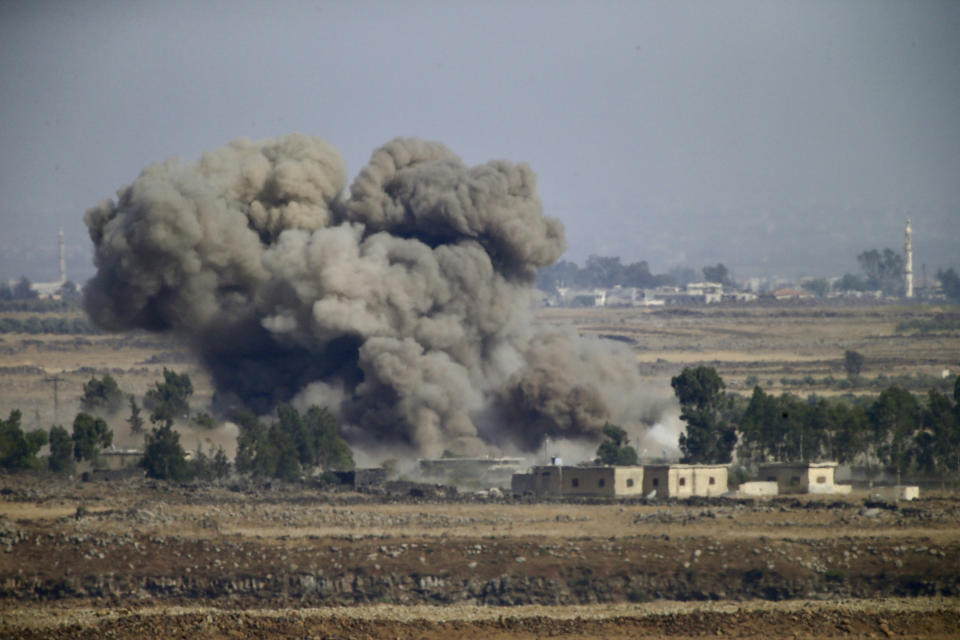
908, 259
63, 259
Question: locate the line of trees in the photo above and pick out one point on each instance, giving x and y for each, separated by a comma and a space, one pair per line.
292, 445
289, 448
19, 450
896, 430
47, 324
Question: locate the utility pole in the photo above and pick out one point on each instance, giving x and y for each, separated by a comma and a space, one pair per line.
908, 261
56, 380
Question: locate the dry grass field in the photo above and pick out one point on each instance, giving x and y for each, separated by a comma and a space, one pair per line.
137, 559
141, 559
773, 342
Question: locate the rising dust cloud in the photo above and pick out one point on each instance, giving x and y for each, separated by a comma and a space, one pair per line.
405, 303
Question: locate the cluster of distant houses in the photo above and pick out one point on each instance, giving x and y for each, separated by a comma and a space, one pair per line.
674, 480
699, 293
657, 480
556, 480
694, 292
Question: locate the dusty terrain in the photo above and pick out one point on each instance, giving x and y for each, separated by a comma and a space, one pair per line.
144, 559
138, 559
773, 342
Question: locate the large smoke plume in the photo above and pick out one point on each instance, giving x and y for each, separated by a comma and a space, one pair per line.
405, 304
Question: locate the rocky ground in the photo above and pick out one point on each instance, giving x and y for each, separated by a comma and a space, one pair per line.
132, 558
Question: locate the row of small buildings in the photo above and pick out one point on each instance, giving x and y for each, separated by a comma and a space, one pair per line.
673, 480
692, 293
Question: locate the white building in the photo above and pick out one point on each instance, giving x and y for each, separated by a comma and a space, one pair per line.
803, 477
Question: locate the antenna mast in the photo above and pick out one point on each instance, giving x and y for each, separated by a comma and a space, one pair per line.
908, 267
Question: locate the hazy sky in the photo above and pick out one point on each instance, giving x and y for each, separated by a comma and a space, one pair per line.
776, 137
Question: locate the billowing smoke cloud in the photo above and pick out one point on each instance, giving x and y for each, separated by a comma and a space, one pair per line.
405, 304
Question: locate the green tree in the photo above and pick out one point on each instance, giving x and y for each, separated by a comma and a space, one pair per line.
717, 273
221, 464
852, 363
850, 282
615, 448
61, 450
169, 400
135, 420
818, 286
90, 435
327, 447
69, 291
163, 457
23, 290
560, 274
292, 444
101, 395
204, 420
883, 270
894, 416
17, 449
941, 424
707, 438
949, 283
253, 453
758, 437
850, 432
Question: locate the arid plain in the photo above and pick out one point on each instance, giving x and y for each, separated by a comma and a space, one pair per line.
137, 558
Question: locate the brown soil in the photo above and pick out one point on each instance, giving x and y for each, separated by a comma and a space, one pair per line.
144, 559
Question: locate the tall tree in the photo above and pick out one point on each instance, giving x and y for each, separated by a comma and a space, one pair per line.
603, 271
292, 444
707, 438
18, 450
61, 450
717, 273
852, 363
941, 423
135, 420
895, 417
615, 448
757, 425
169, 400
101, 395
23, 290
883, 270
90, 435
949, 283
850, 429
163, 457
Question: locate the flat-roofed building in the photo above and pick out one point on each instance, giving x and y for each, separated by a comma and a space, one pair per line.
574, 481
802, 477
685, 480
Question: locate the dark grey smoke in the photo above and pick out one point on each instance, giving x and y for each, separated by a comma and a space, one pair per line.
406, 304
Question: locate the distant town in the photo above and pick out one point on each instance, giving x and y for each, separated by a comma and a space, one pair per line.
606, 282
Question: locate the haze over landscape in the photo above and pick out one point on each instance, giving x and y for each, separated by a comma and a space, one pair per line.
777, 138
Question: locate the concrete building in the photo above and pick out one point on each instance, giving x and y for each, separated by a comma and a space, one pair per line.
556, 480
359, 478
758, 488
705, 292
685, 480
900, 492
803, 477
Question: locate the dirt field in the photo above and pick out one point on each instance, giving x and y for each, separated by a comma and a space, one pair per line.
138, 559
144, 559
772, 342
